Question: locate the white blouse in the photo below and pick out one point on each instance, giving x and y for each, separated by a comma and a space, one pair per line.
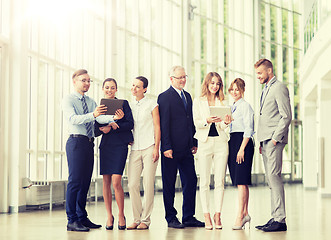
143, 130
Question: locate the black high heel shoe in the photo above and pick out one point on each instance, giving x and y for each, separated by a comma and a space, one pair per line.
112, 225
122, 227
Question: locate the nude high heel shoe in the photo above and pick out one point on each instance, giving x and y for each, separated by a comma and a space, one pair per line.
246, 219
217, 226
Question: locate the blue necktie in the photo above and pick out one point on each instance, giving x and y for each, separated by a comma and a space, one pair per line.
263, 92
89, 124
183, 99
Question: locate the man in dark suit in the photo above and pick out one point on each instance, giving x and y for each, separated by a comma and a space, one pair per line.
178, 147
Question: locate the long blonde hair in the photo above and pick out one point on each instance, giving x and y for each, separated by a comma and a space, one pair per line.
205, 91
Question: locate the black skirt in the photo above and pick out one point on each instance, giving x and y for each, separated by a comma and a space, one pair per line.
240, 173
113, 159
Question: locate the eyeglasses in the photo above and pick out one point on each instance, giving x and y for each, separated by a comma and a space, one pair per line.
179, 78
85, 81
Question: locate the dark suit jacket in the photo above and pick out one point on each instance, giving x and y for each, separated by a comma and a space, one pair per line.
122, 134
177, 128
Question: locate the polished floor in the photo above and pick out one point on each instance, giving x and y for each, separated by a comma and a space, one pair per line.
308, 217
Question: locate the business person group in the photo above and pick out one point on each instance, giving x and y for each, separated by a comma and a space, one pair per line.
174, 128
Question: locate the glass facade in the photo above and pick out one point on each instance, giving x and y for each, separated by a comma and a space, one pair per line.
126, 38
280, 42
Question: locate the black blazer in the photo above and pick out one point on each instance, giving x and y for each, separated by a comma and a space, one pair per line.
177, 127
123, 134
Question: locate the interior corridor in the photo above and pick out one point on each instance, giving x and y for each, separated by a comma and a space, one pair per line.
308, 217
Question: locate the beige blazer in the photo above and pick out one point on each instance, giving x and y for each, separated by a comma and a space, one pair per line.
200, 114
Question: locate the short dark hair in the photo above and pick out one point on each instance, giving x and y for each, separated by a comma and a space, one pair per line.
265, 62
79, 72
144, 80
109, 80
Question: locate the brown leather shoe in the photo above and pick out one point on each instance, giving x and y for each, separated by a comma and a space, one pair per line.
142, 226
132, 226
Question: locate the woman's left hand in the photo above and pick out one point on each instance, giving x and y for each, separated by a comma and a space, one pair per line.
119, 114
113, 125
240, 156
156, 155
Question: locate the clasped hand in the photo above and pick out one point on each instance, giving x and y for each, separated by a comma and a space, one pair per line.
110, 126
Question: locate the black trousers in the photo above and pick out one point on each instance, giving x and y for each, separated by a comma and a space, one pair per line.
80, 156
184, 162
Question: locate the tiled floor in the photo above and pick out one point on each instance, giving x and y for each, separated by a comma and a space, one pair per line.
308, 217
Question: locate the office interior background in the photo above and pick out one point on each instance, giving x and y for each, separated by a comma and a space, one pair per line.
42, 42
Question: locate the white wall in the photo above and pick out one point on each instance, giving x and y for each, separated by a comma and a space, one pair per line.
315, 79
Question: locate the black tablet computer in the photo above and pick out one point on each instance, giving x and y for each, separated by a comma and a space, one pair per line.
112, 105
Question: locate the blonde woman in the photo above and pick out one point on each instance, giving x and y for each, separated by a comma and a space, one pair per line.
213, 145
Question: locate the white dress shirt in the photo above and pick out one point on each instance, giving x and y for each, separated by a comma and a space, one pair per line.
243, 118
143, 130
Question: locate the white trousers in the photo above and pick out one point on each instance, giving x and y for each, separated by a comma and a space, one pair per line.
141, 161
216, 150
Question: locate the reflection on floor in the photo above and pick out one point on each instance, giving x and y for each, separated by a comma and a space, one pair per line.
308, 217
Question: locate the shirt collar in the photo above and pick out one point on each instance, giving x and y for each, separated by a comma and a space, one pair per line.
177, 90
78, 95
141, 101
238, 102
271, 81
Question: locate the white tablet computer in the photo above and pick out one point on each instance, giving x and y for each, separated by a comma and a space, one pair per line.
220, 111
112, 105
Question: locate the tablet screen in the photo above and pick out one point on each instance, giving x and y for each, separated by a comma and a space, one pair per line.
112, 105
220, 111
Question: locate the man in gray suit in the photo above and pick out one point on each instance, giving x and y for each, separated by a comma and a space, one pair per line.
272, 133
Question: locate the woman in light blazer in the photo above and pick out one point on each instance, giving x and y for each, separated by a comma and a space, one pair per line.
213, 145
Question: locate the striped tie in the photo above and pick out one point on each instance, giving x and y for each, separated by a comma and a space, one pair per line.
183, 99
89, 124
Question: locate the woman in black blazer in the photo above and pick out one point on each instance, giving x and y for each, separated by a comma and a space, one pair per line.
113, 154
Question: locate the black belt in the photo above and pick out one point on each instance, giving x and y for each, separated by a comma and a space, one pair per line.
82, 136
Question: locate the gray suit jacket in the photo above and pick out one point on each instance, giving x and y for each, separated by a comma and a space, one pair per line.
275, 113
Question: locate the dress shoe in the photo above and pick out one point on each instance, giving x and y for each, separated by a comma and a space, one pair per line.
265, 225
87, 223
193, 222
275, 227
133, 226
111, 226
77, 227
142, 226
122, 227
174, 223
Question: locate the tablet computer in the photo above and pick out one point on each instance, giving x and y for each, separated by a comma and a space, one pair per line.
220, 111
112, 105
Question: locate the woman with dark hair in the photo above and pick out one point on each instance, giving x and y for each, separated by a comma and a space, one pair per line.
113, 154
241, 149
213, 145
144, 153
